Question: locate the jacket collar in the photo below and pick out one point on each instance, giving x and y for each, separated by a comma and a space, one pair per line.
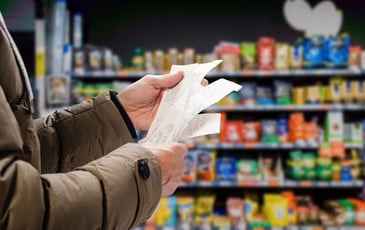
29, 93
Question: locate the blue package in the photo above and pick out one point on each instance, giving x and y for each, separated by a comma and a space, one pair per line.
225, 168
337, 51
313, 51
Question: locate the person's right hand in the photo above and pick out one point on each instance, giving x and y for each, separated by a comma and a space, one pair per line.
171, 160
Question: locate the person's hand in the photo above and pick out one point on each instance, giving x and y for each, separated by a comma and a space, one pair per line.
171, 160
142, 98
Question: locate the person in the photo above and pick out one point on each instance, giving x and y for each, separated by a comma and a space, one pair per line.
79, 168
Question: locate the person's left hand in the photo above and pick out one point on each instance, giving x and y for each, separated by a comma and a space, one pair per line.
142, 98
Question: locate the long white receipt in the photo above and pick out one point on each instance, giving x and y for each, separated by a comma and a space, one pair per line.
178, 115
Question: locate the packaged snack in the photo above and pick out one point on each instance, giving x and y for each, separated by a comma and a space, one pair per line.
312, 95
251, 132
173, 56
247, 171
225, 168
298, 95
282, 129
79, 61
296, 56
282, 92
248, 54
345, 170
359, 211
334, 126
334, 93
275, 210
346, 91
337, 51
269, 131
354, 57
248, 93
185, 212
292, 215
295, 169
265, 53
348, 215
159, 60
232, 132
313, 51
264, 96
203, 210
149, 61
271, 168
189, 54
138, 62
165, 215
282, 56
251, 206
205, 165
231, 62
189, 174
235, 209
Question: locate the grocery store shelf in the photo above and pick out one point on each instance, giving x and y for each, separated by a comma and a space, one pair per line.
319, 107
265, 146
215, 74
286, 73
274, 183
314, 227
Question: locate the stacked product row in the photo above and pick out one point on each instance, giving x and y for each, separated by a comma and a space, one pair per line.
264, 54
272, 168
290, 128
279, 209
339, 90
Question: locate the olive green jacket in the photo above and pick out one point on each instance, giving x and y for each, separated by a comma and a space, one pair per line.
77, 168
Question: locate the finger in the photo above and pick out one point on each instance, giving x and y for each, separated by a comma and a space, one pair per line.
167, 80
204, 82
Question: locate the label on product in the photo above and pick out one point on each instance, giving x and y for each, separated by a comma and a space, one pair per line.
178, 115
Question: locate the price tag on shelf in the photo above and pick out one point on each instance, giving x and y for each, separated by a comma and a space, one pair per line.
247, 73
322, 184
272, 183
292, 228
305, 183
291, 183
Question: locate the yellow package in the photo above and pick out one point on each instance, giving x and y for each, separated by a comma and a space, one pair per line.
275, 210
251, 207
335, 90
165, 215
203, 209
298, 95
282, 56
361, 90
185, 209
346, 91
312, 95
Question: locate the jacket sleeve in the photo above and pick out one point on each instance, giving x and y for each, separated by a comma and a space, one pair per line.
16, 177
107, 193
81, 133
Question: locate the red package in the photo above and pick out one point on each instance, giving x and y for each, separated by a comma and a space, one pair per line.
265, 53
232, 132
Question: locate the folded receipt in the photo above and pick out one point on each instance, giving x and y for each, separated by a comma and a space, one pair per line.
179, 115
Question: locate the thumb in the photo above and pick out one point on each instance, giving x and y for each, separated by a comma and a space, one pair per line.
168, 80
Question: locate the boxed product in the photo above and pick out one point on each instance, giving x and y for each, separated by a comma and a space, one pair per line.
334, 126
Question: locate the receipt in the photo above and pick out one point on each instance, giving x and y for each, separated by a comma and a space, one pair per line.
178, 116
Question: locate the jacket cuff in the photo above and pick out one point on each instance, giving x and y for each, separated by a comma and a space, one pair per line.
131, 194
123, 113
